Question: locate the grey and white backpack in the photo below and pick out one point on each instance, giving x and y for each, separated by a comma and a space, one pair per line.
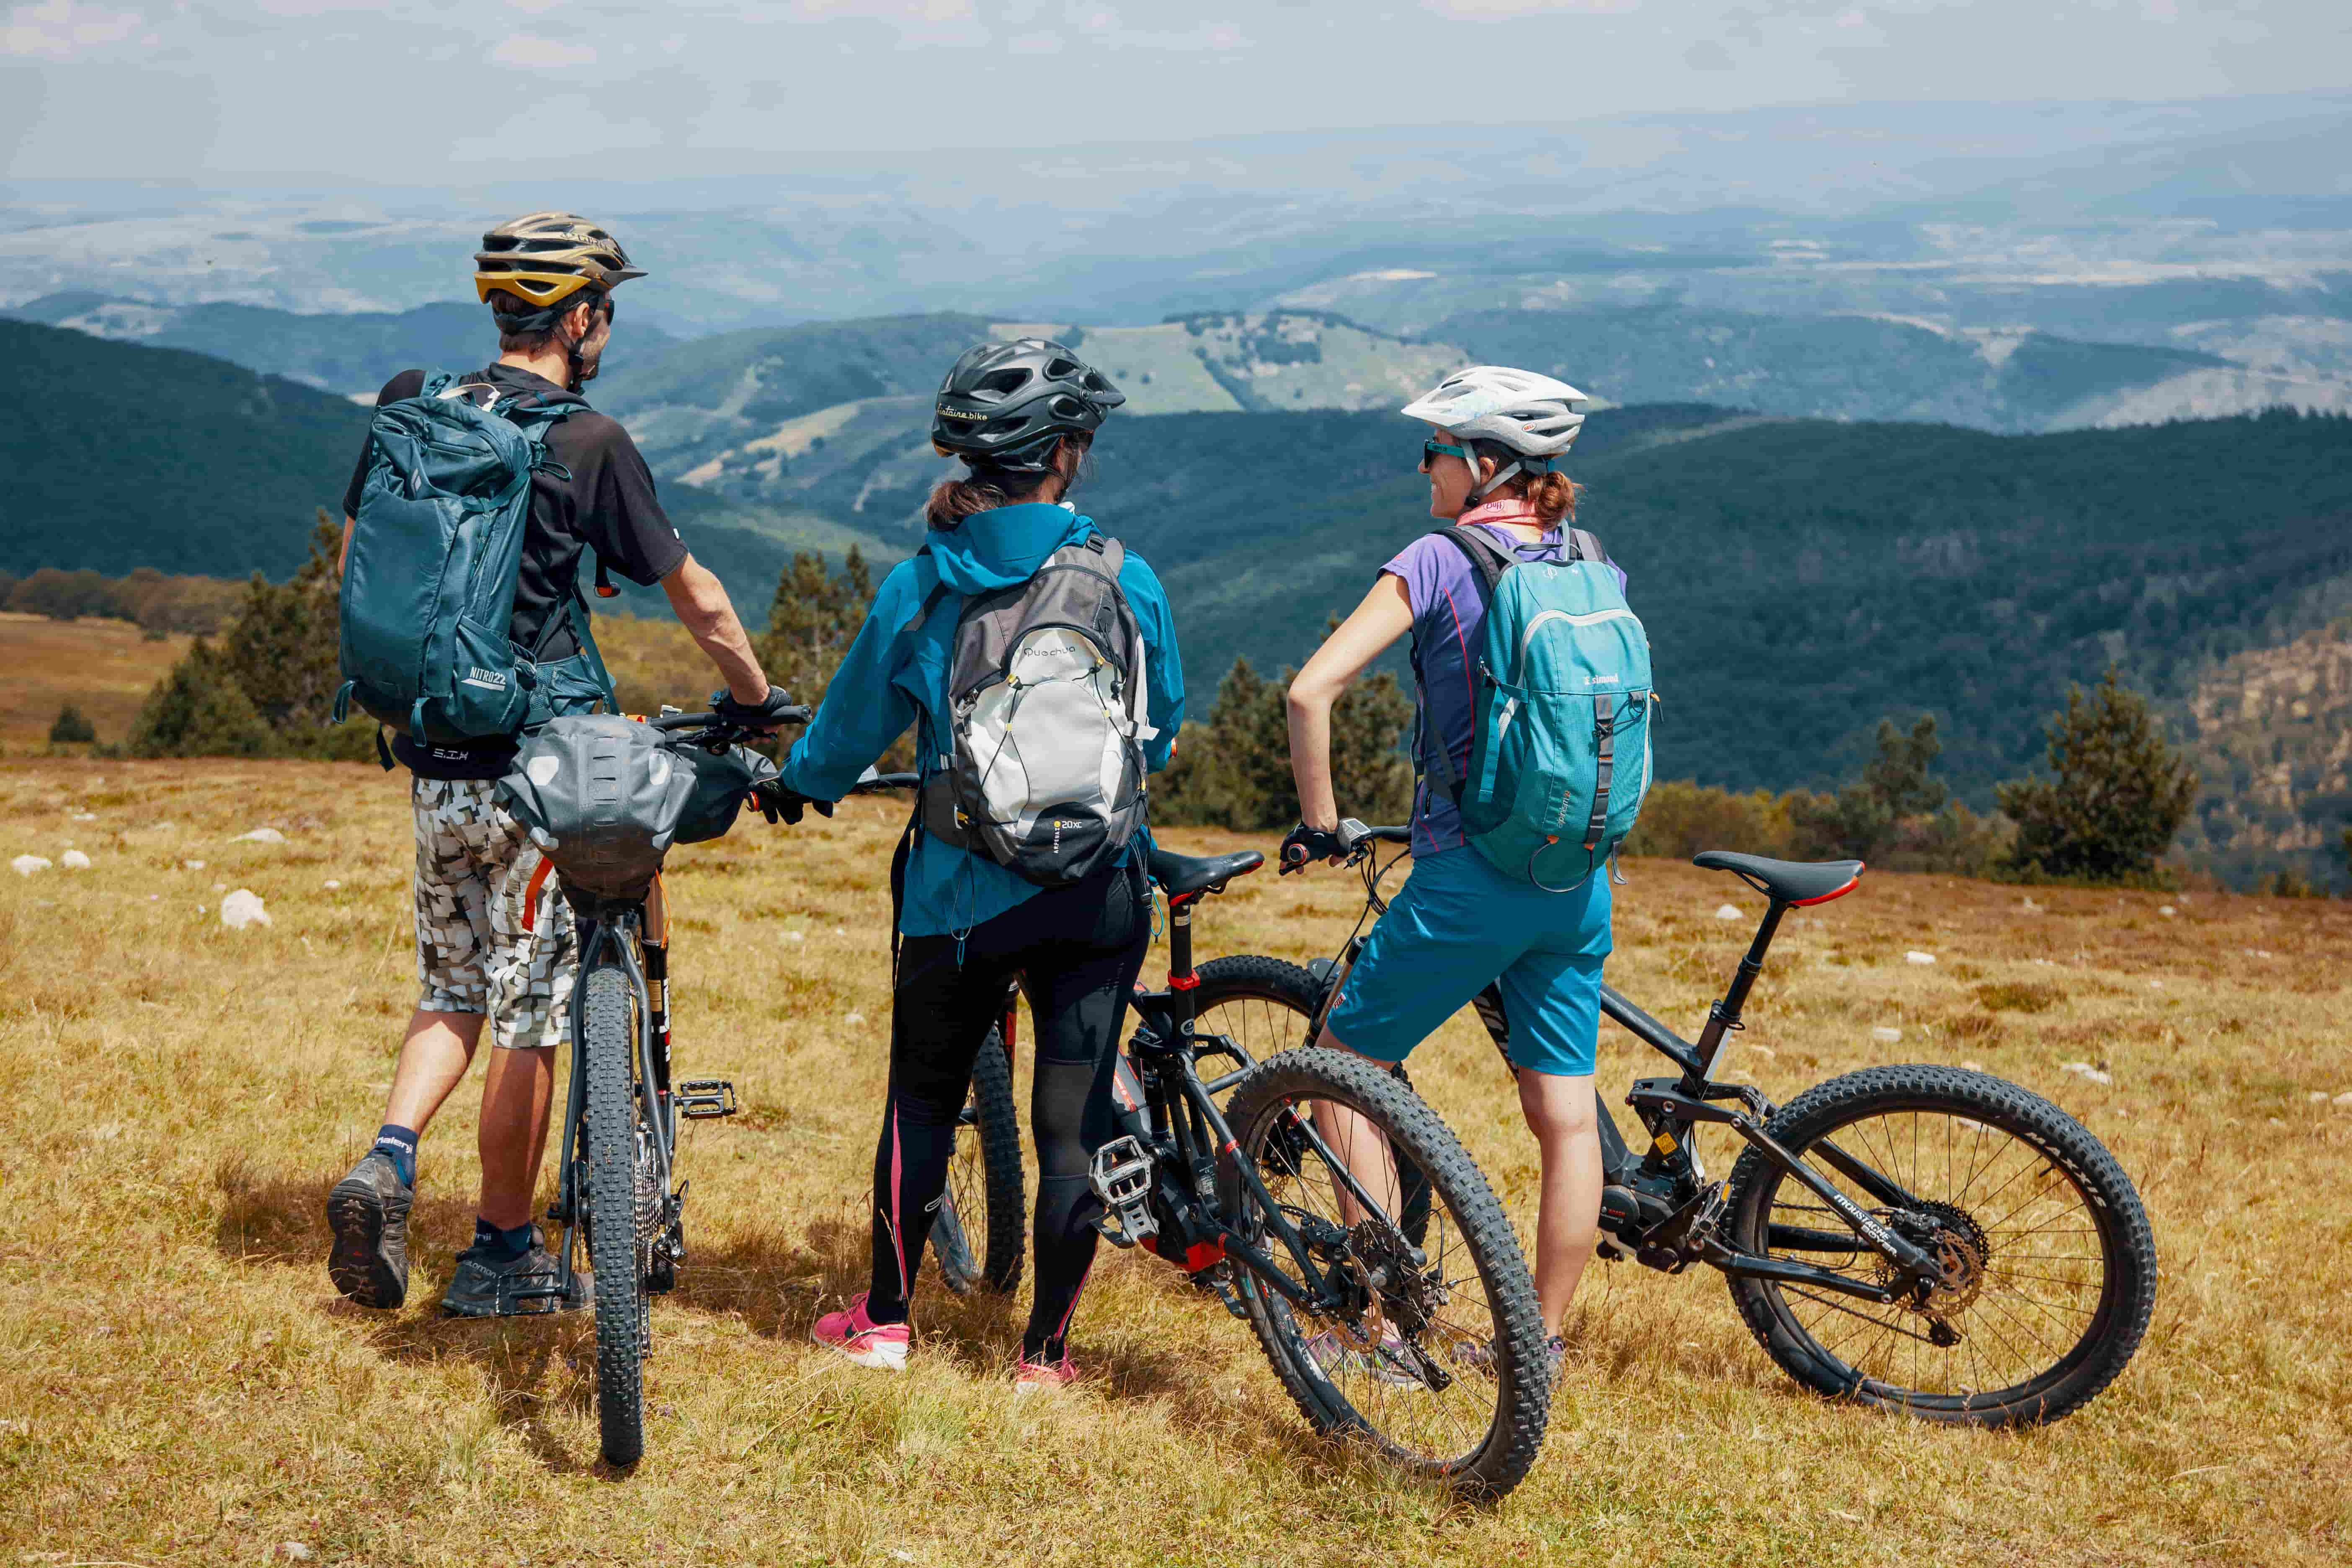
1042, 767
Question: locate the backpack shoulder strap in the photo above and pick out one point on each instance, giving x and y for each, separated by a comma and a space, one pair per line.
1585, 546
1488, 560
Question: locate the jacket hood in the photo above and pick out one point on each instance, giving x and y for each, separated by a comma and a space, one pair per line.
996, 549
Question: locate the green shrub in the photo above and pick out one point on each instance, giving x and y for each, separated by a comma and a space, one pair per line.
70, 728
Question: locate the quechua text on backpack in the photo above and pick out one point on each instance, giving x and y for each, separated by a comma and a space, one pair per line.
1042, 767
428, 590
1559, 760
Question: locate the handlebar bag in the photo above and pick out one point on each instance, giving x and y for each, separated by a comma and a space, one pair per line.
602, 797
721, 780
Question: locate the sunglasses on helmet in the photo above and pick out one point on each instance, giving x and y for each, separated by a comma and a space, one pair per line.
1440, 449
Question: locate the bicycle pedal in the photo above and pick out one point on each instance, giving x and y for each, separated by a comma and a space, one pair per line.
1120, 1174
703, 1099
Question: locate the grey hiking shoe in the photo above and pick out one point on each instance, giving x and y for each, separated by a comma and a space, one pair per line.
489, 1284
368, 1212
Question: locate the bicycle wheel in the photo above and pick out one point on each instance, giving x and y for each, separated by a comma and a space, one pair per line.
987, 1199
2052, 1268
1440, 1366
1265, 1006
1262, 1005
622, 1205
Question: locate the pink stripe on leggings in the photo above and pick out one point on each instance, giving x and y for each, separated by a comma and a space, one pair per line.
1062, 1329
899, 1230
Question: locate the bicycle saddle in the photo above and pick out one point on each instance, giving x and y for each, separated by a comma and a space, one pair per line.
1786, 881
1184, 875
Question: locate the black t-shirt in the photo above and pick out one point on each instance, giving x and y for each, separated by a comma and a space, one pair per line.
607, 505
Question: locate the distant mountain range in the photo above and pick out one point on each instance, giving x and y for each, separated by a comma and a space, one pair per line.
1801, 578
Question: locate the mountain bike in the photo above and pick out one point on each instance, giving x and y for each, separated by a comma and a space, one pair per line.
1429, 1349
614, 1202
1924, 1239
979, 1235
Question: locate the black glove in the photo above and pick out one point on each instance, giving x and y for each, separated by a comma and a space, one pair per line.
764, 716
774, 799
1304, 844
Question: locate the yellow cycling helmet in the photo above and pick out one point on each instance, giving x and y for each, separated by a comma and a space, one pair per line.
547, 257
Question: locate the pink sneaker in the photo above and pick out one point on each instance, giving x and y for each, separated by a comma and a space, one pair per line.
861, 1339
1030, 1377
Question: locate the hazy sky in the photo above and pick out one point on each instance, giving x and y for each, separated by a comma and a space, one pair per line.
416, 91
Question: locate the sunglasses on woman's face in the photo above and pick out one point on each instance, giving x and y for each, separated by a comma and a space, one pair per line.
1440, 449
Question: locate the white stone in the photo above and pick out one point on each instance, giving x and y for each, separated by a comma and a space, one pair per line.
855, 1018
193, 865
795, 936
2317, 1096
1916, 956
2166, 910
26, 865
74, 860
85, 816
1885, 1034
243, 909
1973, 1067
330, 884
1728, 912
2343, 1101
2029, 905
296, 1552
260, 836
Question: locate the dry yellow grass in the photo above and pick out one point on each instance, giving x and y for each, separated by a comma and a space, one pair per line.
103, 668
178, 1382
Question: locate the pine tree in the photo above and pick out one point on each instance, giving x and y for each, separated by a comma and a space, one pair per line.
283, 649
812, 621
1235, 770
199, 711
2118, 795
1895, 786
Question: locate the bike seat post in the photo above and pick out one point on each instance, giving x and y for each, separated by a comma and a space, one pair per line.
1724, 1016
1182, 979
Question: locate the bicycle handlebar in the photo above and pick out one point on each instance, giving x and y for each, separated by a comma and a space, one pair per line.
796, 714
881, 782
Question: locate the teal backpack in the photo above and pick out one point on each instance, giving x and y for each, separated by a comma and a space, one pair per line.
428, 592
1560, 758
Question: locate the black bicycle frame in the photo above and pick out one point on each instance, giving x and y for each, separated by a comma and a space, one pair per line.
1183, 1116
1669, 1107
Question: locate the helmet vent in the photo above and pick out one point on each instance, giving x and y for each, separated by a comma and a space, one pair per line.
1003, 381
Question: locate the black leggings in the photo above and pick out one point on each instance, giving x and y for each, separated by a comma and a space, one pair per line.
1077, 951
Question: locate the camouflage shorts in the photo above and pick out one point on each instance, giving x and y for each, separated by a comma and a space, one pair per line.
488, 939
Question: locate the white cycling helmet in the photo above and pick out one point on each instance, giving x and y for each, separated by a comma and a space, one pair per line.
1527, 414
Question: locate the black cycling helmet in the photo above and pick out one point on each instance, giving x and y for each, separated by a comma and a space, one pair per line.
1005, 405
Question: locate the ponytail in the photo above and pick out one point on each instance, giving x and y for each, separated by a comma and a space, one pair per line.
1554, 496
984, 489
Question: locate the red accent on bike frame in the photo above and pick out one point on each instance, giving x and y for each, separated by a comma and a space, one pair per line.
1185, 900
1203, 1255
530, 893
1182, 982
1851, 883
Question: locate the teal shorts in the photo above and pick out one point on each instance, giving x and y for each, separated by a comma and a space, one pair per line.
1460, 925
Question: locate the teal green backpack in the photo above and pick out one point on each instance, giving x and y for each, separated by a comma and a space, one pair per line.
428, 590
1561, 756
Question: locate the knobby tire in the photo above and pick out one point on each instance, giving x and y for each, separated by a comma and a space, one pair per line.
617, 1236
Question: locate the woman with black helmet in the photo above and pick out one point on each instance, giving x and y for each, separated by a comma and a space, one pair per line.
1024, 861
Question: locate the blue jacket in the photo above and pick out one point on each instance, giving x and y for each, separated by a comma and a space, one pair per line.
894, 676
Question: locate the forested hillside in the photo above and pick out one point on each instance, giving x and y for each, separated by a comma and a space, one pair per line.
113, 455
1801, 578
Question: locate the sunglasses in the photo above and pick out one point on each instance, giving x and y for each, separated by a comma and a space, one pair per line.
1440, 449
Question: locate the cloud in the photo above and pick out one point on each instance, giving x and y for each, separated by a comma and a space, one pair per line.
1706, 55
1505, 10
63, 30
529, 51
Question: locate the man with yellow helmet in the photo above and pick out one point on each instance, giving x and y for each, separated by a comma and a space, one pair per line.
493, 940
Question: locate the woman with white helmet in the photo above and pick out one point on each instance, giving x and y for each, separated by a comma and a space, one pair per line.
1460, 931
